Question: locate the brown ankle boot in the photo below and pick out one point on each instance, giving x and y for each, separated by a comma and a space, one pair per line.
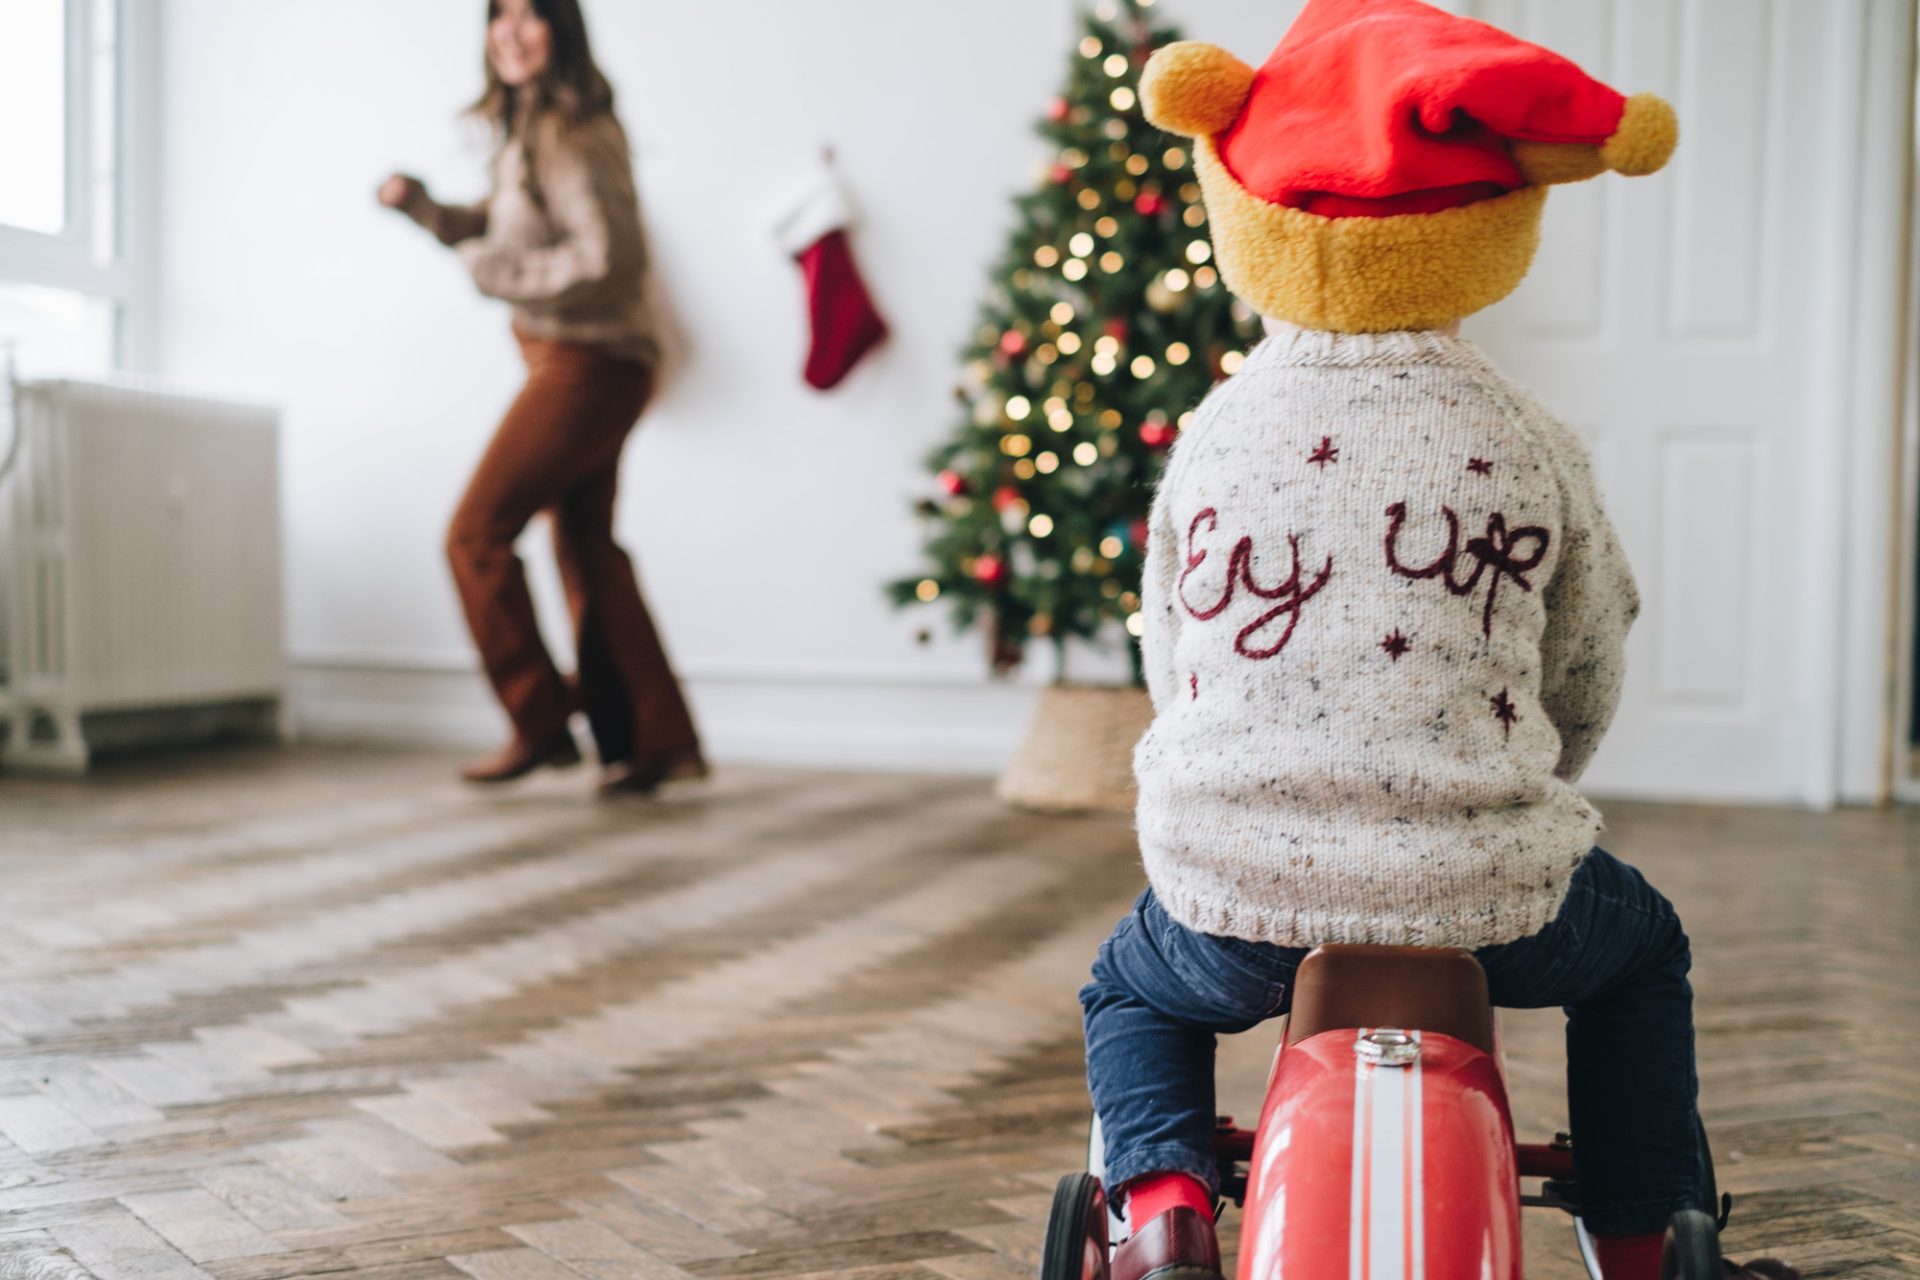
646, 776
1177, 1245
518, 759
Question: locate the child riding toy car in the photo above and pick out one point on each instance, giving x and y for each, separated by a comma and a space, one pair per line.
1383, 624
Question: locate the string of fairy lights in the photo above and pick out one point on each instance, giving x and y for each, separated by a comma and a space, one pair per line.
1106, 322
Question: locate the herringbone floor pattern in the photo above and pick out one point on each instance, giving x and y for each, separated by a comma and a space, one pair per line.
310, 1014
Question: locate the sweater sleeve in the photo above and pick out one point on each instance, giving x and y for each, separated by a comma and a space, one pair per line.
1591, 604
1159, 605
453, 224
582, 177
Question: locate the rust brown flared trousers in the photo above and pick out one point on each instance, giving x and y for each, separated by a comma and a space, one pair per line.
558, 451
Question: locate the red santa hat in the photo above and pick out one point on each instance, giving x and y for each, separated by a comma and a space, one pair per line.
1372, 108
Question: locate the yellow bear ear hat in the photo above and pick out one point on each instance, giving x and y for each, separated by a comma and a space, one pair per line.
1386, 169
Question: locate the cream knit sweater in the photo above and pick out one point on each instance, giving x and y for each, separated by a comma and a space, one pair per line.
560, 238
1384, 619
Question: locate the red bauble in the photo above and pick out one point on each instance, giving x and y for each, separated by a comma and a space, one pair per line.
1137, 533
1005, 496
1013, 342
1157, 435
1117, 329
1149, 204
1062, 175
990, 570
1058, 110
953, 483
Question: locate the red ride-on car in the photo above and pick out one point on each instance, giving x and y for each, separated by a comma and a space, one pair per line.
1385, 1149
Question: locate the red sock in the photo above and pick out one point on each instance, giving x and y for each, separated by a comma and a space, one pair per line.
1630, 1257
1153, 1195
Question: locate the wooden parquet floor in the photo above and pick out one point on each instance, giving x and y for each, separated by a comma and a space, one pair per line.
303, 1014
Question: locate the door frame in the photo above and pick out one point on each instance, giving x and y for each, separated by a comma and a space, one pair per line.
1900, 778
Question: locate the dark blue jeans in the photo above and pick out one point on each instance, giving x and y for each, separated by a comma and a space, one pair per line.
1615, 958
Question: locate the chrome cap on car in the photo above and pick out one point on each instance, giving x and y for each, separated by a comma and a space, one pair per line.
1388, 1048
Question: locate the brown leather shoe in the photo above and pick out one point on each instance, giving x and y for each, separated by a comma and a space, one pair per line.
518, 759
1762, 1269
646, 776
1177, 1245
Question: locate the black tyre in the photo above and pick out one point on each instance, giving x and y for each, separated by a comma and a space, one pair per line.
1692, 1250
1076, 1247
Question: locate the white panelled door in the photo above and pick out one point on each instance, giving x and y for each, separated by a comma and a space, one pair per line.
1695, 325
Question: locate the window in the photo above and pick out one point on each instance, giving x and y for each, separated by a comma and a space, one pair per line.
33, 88
67, 281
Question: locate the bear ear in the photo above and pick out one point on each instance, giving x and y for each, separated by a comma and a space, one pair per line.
1646, 138
1195, 89
1542, 163
1642, 144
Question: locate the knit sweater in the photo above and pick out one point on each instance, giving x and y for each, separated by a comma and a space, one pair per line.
1384, 616
560, 238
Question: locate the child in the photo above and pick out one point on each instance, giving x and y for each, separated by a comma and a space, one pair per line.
1384, 617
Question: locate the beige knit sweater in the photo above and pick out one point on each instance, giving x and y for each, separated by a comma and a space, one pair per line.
560, 238
1384, 618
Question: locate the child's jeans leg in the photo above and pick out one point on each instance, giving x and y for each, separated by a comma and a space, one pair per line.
1159, 995
1616, 959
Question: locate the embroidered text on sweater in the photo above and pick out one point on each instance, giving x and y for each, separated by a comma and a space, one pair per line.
1384, 619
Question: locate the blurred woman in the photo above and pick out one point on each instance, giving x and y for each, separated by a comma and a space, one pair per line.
560, 240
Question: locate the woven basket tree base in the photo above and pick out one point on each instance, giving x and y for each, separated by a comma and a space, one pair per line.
1078, 752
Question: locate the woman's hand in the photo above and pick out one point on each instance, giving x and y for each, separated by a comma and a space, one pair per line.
407, 194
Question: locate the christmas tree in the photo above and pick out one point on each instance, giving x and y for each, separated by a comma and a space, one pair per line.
1103, 326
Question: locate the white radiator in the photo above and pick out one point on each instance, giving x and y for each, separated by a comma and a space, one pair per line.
139, 567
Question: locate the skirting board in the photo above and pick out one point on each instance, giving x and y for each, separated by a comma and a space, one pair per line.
833, 721
941, 728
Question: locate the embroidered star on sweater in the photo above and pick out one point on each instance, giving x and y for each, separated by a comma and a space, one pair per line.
1306, 780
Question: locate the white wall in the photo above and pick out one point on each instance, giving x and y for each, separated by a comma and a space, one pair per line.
764, 515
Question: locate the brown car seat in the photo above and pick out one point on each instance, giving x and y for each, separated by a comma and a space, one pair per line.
1409, 988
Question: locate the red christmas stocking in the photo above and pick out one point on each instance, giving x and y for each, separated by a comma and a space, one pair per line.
846, 326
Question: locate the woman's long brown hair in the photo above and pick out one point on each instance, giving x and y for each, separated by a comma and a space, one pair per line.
571, 89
